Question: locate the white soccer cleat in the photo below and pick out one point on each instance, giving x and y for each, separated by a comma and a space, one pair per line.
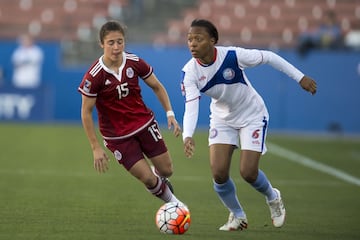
234, 224
277, 210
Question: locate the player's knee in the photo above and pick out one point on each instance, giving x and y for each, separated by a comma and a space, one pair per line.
163, 165
165, 170
220, 175
220, 178
248, 176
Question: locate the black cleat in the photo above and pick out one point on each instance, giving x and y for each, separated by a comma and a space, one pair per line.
164, 179
167, 182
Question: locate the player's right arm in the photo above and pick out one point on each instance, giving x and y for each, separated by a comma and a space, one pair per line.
191, 113
189, 147
189, 124
100, 157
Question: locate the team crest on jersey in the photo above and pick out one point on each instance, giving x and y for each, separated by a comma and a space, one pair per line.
213, 133
118, 155
228, 74
130, 72
87, 86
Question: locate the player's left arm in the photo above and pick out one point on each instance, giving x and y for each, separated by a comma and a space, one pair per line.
153, 82
308, 84
279, 63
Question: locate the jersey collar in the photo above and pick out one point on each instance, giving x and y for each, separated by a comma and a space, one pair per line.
206, 65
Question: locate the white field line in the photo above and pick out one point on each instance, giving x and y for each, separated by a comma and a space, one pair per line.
311, 163
183, 178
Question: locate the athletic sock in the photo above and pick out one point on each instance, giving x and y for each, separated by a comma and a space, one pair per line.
227, 195
162, 191
263, 185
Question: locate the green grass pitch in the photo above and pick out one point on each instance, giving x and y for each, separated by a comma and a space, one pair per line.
49, 190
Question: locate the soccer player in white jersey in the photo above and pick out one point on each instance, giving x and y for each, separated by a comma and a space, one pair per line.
237, 112
128, 127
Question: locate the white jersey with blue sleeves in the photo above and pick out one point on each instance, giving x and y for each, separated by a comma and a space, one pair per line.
233, 99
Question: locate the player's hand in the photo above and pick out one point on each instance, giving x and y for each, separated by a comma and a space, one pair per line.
308, 84
189, 147
101, 160
173, 123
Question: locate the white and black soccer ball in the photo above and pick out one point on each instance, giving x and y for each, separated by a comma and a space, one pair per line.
173, 218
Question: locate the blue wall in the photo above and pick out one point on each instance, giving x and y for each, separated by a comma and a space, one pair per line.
337, 102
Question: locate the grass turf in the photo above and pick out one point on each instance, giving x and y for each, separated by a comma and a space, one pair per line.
49, 190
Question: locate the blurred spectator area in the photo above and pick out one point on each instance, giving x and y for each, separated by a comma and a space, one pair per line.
75, 23
71, 22
249, 23
49, 19
261, 23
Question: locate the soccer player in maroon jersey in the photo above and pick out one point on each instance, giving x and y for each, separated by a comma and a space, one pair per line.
127, 125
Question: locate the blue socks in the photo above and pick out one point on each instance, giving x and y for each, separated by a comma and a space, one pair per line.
263, 185
227, 194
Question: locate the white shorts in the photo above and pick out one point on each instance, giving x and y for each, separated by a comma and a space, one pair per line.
252, 137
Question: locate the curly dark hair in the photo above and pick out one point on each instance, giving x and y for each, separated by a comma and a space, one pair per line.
209, 26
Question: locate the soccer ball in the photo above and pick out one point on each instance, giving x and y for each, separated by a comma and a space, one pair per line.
173, 218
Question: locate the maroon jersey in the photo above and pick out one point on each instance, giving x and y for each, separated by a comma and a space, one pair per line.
120, 107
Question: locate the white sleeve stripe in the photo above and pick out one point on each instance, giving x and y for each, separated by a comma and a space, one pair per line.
95, 69
148, 75
86, 93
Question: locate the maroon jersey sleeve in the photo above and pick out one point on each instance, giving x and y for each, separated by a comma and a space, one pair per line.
143, 69
90, 86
